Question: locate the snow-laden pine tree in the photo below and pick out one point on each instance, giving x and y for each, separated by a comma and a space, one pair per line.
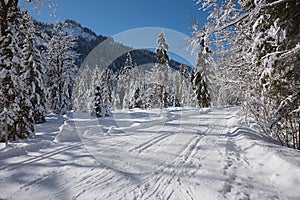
146, 91
176, 92
192, 100
124, 88
19, 74
160, 73
100, 102
201, 80
187, 94
10, 70
106, 91
34, 74
94, 83
62, 70
135, 94
97, 103
19, 62
82, 91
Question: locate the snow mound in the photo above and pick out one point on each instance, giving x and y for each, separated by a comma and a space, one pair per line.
2, 146
67, 134
114, 131
204, 110
94, 132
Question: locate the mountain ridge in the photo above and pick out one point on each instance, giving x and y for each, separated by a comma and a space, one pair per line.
87, 40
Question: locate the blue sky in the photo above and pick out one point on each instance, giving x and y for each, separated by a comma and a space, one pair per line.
112, 18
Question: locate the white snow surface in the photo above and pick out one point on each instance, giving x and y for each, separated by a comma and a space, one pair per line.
149, 154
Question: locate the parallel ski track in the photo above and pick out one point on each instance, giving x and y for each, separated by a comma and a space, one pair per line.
162, 185
161, 188
161, 180
147, 144
41, 157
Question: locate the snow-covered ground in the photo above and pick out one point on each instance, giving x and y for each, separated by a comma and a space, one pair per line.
171, 154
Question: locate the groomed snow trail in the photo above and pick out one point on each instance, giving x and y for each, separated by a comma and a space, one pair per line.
172, 154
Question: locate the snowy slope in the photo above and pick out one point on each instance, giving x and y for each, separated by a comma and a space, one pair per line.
171, 154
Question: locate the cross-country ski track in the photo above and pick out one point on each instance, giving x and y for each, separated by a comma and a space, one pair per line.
177, 153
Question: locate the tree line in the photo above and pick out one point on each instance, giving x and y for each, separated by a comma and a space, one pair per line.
99, 89
37, 72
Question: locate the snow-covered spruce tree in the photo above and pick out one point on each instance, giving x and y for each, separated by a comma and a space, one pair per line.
176, 91
82, 91
101, 100
160, 73
34, 74
11, 98
180, 92
106, 91
135, 93
146, 92
192, 102
17, 112
128, 65
220, 35
16, 116
201, 81
25, 75
97, 102
94, 83
187, 91
62, 70
7, 96
123, 88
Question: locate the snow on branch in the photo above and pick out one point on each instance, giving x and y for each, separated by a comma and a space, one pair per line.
274, 3
231, 23
291, 52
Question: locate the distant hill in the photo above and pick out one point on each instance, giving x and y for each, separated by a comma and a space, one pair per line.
109, 54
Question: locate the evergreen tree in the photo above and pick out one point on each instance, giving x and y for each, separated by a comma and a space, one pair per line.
7, 88
160, 73
146, 91
62, 70
20, 72
176, 92
192, 100
16, 89
82, 91
97, 102
162, 50
94, 83
102, 97
135, 89
124, 84
186, 92
200, 82
128, 63
34, 75
106, 91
